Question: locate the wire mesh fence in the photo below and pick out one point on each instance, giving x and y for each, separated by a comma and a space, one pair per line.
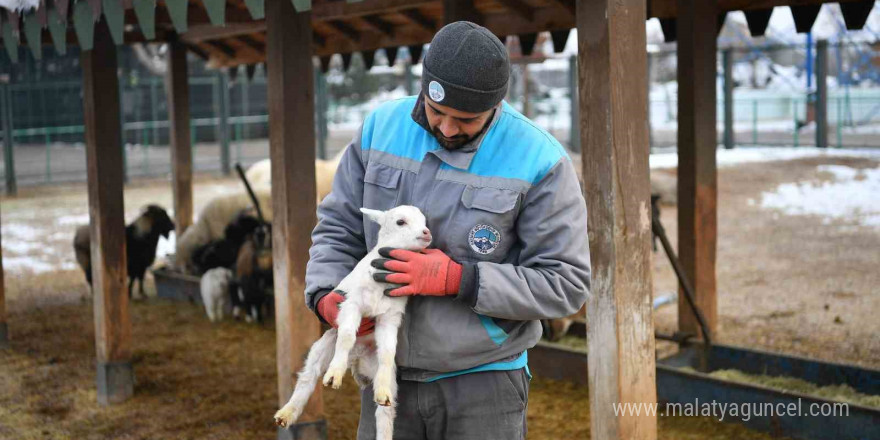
773, 105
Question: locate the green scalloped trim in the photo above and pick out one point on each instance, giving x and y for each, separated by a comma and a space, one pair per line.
34, 33
115, 15
302, 5
84, 25
10, 42
145, 11
216, 11
177, 10
58, 30
257, 8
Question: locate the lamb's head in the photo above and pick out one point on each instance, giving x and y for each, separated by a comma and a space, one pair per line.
403, 227
154, 220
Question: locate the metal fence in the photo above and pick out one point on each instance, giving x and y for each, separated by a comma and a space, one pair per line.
772, 106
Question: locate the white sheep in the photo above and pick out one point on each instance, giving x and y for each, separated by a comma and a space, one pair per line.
259, 175
214, 287
370, 357
221, 210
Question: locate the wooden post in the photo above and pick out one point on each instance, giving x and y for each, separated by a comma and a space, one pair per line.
105, 181
612, 65
456, 10
822, 94
292, 150
8, 144
728, 99
697, 142
177, 92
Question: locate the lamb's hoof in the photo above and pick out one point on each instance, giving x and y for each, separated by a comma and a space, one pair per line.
382, 397
286, 416
334, 378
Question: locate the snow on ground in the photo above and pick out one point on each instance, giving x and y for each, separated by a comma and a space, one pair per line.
668, 158
853, 194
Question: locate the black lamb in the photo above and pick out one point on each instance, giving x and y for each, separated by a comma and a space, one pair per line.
224, 252
141, 238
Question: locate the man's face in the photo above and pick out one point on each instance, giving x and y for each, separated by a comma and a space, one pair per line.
454, 128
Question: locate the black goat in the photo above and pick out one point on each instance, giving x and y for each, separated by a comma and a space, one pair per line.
224, 252
141, 238
253, 273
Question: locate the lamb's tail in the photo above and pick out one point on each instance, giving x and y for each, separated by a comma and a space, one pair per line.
317, 362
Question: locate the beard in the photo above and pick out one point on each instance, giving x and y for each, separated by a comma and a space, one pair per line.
453, 143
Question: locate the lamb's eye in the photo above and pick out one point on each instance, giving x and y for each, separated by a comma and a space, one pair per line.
401, 222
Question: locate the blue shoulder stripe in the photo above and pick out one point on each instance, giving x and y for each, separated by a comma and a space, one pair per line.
517, 149
400, 135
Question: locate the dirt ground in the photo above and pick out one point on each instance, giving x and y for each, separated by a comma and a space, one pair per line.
789, 284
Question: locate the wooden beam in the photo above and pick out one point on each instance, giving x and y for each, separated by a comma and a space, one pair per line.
194, 48
415, 16
457, 10
292, 150
504, 23
336, 10
697, 142
221, 47
668, 8
177, 96
379, 24
103, 140
569, 5
521, 8
252, 44
612, 69
345, 29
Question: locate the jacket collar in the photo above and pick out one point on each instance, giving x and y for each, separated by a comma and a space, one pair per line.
462, 157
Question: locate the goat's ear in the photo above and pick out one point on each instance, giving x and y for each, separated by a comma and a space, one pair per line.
374, 215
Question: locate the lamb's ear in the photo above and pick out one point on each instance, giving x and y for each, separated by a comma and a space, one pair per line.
374, 215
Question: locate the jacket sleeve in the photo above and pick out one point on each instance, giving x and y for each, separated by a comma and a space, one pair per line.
551, 278
338, 238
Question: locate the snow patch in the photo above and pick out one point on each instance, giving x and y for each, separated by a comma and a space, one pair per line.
853, 195
737, 156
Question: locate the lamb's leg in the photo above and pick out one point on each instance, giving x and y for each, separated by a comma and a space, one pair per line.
349, 319
316, 363
141, 287
385, 422
385, 382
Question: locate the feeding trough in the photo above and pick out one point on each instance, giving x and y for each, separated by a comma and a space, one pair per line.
796, 415
176, 285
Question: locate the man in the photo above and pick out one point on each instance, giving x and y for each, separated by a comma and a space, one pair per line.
509, 223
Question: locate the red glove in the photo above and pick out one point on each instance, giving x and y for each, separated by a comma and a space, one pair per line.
328, 308
430, 272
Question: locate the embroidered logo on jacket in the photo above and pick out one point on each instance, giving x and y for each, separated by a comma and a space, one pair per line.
484, 239
436, 92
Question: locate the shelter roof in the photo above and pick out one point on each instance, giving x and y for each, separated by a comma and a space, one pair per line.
233, 32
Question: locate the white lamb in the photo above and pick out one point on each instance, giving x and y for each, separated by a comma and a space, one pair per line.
370, 357
214, 287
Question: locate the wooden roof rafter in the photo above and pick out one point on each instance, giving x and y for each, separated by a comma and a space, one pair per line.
416, 16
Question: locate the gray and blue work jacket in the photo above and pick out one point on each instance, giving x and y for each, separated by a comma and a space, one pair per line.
507, 206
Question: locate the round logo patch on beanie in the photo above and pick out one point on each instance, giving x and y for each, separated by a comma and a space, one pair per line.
436, 92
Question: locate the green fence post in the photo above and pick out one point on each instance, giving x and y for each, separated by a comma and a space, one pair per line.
222, 112
48, 140
754, 122
122, 126
839, 122
245, 105
796, 131
238, 140
8, 144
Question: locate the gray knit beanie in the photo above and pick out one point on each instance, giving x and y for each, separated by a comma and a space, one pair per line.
466, 68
